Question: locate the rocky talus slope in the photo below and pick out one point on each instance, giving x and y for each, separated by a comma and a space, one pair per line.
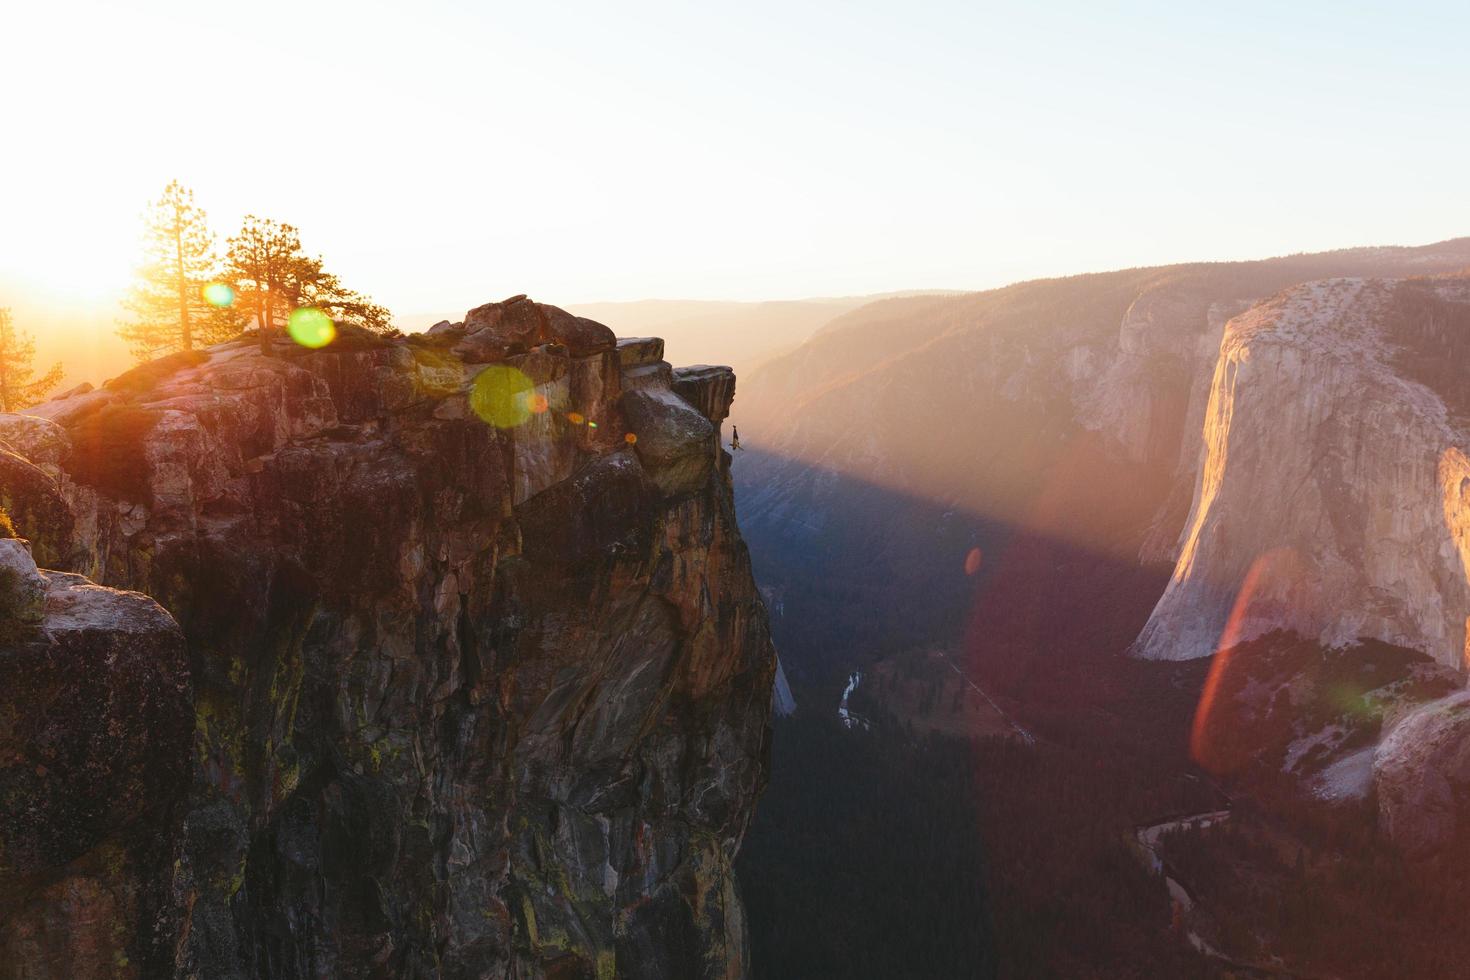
481, 681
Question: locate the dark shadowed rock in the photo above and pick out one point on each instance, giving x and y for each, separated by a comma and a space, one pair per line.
709, 389
579, 335
633, 351
656, 375
96, 723
35, 504
675, 442
496, 330
22, 589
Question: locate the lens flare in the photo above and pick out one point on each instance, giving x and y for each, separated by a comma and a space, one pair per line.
537, 403
630, 438
502, 396
1279, 565
311, 328
972, 561
575, 418
219, 295
591, 425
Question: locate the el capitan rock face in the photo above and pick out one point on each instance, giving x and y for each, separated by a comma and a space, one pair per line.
469, 700
1332, 479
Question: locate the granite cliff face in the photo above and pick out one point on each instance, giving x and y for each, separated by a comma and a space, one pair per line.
1334, 470
481, 678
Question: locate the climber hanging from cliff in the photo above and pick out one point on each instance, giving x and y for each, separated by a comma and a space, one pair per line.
735, 438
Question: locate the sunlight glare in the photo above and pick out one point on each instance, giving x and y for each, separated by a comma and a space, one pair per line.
503, 396
219, 295
311, 328
1271, 564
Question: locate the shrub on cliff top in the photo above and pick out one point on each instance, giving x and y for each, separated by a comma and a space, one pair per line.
351, 337
145, 377
7, 529
107, 450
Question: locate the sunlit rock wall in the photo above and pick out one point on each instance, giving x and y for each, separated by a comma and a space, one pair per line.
1329, 500
482, 679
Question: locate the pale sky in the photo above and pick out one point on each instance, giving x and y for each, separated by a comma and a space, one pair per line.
443, 154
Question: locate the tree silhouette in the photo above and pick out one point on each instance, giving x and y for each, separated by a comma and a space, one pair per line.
19, 386
275, 276
171, 311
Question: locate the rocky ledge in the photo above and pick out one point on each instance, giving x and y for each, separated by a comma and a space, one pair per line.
95, 728
481, 681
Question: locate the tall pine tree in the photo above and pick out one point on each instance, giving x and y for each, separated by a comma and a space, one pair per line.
170, 311
274, 276
19, 386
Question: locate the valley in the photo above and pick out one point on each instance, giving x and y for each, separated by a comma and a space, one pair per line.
1080, 436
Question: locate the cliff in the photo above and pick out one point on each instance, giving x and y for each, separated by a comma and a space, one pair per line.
482, 681
1331, 479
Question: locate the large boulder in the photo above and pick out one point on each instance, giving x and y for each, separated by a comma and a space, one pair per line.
579, 335
675, 442
36, 505
39, 440
496, 330
22, 589
635, 351
1422, 769
709, 389
96, 726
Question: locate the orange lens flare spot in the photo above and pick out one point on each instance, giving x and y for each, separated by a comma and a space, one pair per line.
537, 403
630, 438
972, 561
311, 328
219, 295
1266, 574
575, 418
502, 396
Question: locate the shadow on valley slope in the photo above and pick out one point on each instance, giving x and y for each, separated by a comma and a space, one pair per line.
1012, 858
890, 849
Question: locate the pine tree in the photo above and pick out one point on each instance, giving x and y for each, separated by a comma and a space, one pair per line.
275, 276
168, 302
19, 386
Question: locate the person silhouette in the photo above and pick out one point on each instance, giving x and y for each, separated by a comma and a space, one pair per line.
735, 438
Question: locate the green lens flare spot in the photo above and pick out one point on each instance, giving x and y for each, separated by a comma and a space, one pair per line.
503, 396
219, 295
311, 327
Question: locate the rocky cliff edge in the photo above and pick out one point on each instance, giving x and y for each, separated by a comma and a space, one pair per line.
481, 681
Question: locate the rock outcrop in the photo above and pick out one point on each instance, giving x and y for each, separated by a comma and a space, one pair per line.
1330, 500
96, 724
482, 681
1422, 771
